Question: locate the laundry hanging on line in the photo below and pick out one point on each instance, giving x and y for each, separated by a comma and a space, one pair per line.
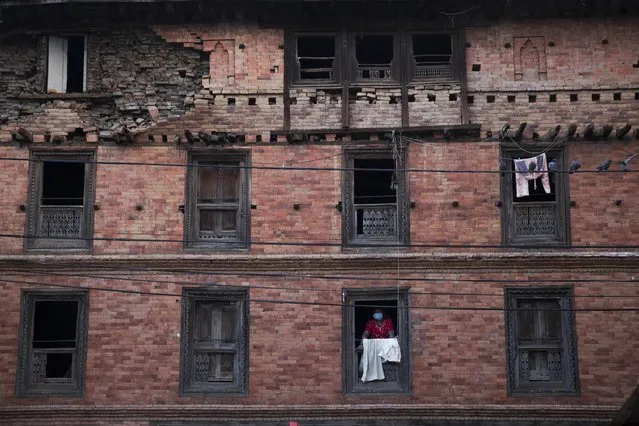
528, 169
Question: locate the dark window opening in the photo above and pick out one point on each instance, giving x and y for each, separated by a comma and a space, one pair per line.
374, 190
432, 56
316, 57
374, 55
75, 64
53, 354
62, 184
54, 324
62, 190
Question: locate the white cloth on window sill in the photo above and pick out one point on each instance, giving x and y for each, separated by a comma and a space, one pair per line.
523, 174
377, 351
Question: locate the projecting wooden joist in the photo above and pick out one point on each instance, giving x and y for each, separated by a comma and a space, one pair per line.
24, 136
550, 136
623, 131
594, 134
570, 131
506, 133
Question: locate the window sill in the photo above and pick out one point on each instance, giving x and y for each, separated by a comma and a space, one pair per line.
66, 96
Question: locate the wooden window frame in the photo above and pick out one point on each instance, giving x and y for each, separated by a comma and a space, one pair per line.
350, 373
337, 63
33, 241
349, 228
570, 380
457, 58
191, 222
395, 68
403, 69
561, 238
190, 297
73, 387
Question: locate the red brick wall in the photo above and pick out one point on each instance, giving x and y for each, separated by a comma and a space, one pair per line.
595, 220
458, 357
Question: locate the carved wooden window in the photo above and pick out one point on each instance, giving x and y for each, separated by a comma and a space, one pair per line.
61, 193
432, 57
375, 194
540, 218
214, 341
217, 210
375, 58
317, 58
542, 353
53, 343
359, 305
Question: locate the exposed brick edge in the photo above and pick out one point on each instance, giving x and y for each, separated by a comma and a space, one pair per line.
36, 414
561, 259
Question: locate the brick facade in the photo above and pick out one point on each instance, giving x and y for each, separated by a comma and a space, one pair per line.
161, 80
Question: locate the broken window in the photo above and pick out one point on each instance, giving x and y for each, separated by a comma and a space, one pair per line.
376, 208
432, 56
59, 210
53, 358
374, 55
217, 215
360, 304
541, 342
316, 58
535, 200
66, 71
214, 341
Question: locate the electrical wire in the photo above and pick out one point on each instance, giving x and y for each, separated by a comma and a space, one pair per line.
298, 168
269, 287
294, 302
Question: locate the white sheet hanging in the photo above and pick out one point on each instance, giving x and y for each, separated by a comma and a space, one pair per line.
377, 351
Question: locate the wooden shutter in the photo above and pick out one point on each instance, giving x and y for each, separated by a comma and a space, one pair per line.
57, 65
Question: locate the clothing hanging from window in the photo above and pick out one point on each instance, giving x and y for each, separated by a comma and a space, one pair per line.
528, 169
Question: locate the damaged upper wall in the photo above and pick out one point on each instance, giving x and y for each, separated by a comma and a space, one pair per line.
132, 78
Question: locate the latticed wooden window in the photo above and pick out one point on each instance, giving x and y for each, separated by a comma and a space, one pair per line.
375, 194
542, 355
536, 214
359, 306
61, 193
214, 341
53, 338
217, 213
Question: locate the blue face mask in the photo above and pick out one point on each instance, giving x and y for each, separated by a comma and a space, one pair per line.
378, 316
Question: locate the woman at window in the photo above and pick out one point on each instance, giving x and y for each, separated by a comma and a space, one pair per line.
379, 327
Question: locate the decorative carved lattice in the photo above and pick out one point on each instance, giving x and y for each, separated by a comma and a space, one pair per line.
434, 72
374, 72
379, 221
524, 367
554, 366
60, 222
38, 367
201, 367
391, 371
535, 220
